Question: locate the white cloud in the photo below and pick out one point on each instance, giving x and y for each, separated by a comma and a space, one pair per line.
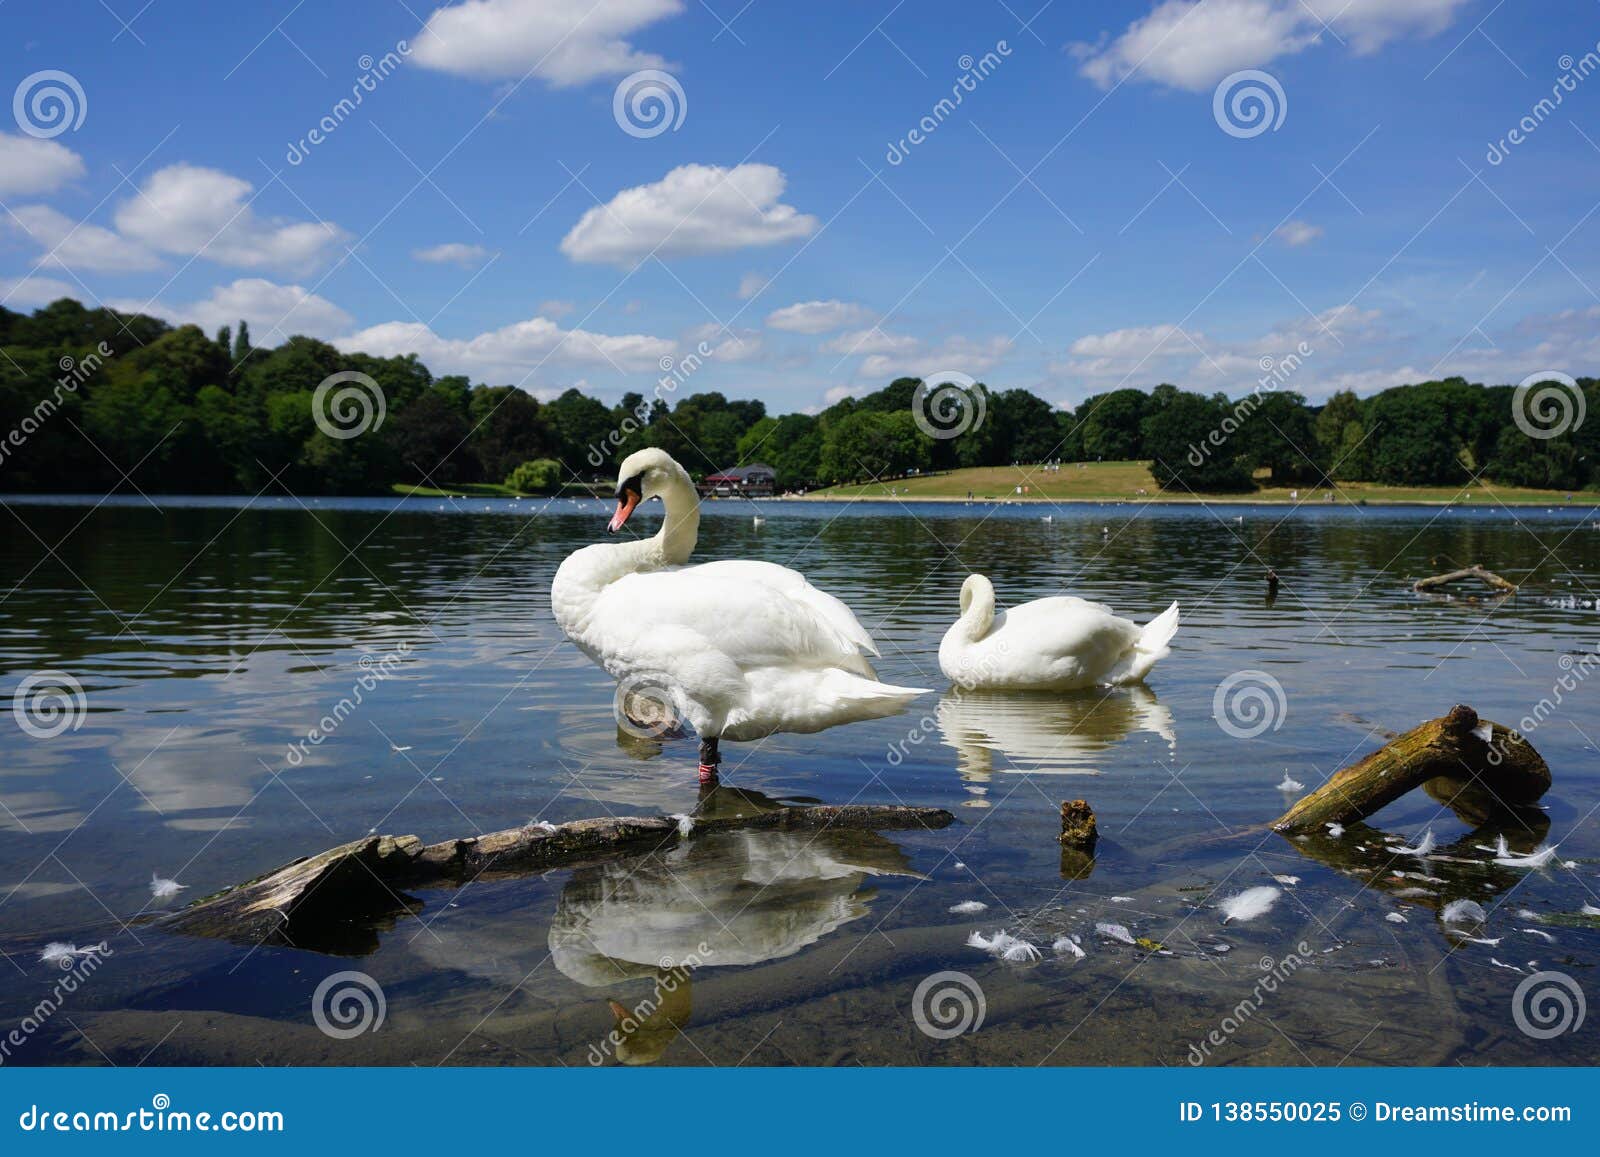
818, 316
956, 354
1192, 44
727, 345
32, 291
275, 312
751, 284
451, 253
556, 308
78, 245
694, 209
1297, 233
189, 210
872, 341
564, 42
29, 167
514, 351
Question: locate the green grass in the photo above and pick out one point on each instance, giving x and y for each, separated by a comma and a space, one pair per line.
460, 490
1132, 482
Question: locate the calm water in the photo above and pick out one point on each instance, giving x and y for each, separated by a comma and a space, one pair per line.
209, 636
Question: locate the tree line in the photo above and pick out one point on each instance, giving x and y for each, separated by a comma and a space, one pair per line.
90, 398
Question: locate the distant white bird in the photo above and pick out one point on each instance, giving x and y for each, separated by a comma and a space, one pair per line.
757, 520
1054, 644
397, 749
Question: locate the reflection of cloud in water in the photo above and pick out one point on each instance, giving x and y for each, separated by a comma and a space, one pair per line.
1057, 734
733, 899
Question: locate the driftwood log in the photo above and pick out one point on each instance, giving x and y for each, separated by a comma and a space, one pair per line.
307, 902
1487, 577
1504, 766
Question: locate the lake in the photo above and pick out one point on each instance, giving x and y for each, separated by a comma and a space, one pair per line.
209, 636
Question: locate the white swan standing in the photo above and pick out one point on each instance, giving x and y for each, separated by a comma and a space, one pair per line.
1056, 644
742, 649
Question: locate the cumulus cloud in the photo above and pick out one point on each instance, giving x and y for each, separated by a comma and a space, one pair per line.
188, 210
971, 356
563, 42
694, 209
29, 167
78, 245
32, 291
514, 351
751, 284
872, 341
818, 316
555, 307
1297, 233
275, 312
728, 345
451, 253
1192, 44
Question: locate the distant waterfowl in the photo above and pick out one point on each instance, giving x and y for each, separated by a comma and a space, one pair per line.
1055, 644
742, 649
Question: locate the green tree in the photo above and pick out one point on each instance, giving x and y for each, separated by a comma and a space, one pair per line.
540, 476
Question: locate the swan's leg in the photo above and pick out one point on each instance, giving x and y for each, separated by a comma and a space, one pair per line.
709, 758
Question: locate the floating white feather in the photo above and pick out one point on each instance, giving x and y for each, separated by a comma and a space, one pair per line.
1286, 881
1541, 934
1290, 783
164, 889
1115, 932
1335, 830
968, 906
1464, 912
1249, 904
1067, 946
1395, 918
1425, 845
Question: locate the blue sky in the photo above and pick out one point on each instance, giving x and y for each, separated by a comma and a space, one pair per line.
1081, 220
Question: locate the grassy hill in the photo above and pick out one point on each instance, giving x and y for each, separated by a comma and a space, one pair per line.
1131, 482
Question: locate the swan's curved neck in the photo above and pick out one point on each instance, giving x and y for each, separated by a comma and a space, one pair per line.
977, 608
681, 526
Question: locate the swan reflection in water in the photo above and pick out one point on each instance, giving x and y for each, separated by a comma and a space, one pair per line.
1044, 734
733, 898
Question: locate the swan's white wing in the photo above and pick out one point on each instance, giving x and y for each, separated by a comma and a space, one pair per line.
792, 583
751, 613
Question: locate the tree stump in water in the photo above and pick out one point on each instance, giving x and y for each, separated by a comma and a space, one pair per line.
1456, 746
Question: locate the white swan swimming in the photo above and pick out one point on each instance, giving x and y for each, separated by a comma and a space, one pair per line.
1056, 644
742, 649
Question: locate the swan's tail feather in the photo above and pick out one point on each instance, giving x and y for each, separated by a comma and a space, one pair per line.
1152, 646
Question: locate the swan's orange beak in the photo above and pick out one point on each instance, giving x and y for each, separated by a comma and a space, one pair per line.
626, 502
